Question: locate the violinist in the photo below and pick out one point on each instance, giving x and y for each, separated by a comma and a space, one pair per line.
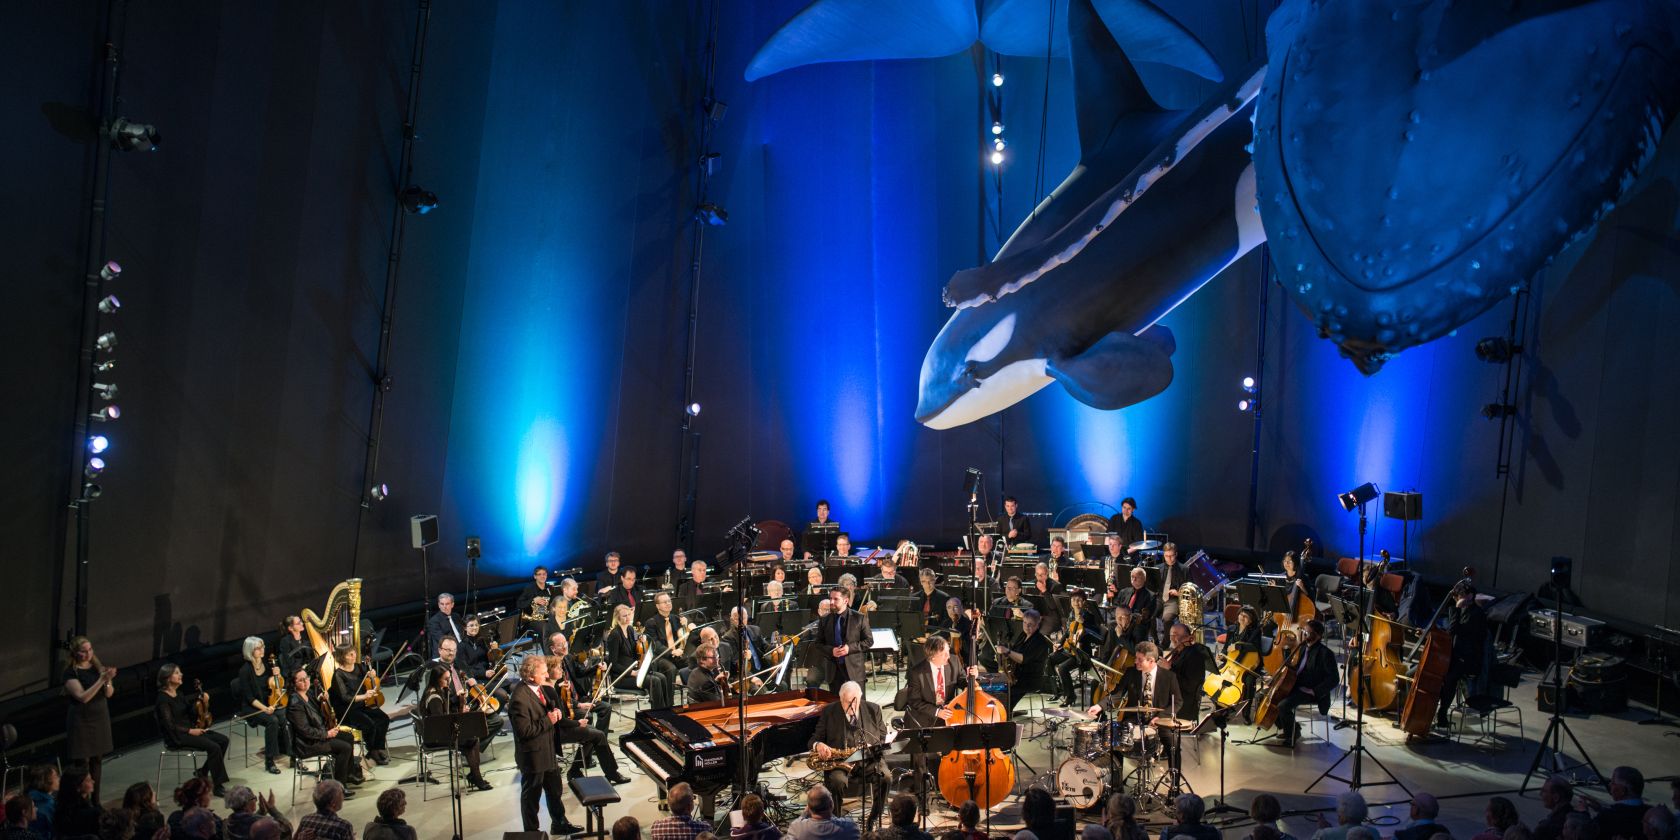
1467, 622
472, 655
843, 640
293, 648
583, 670
1024, 656
1189, 661
353, 684
564, 695
625, 648
1079, 638
312, 735
182, 730
848, 723
747, 638
255, 678
664, 630
1315, 680
446, 694
534, 601
1015, 526
706, 682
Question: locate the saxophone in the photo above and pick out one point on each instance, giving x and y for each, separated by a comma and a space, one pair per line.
837, 760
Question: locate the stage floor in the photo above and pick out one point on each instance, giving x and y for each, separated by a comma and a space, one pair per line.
1464, 773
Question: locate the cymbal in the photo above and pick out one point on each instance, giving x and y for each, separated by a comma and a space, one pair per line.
1173, 723
1144, 545
1142, 710
1066, 714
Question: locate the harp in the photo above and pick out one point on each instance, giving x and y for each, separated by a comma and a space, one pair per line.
338, 624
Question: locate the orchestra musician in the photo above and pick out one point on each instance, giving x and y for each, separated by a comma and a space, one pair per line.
1316, 679
930, 599
1059, 553
582, 670
689, 594
621, 643
814, 581
446, 694
1149, 685
986, 548
756, 647
1126, 524
561, 608
1013, 604
444, 624
786, 550
843, 640
929, 687
535, 598
1467, 623
346, 695
1295, 582
254, 690
1065, 660
889, 577
1043, 591
174, 713
1244, 639
607, 578
842, 550
1141, 601
311, 736
1173, 576
853, 722
1015, 526
1029, 651
1380, 600
625, 592
678, 570
773, 589
534, 717
1122, 635
958, 626
563, 694
472, 655
705, 680
664, 628
292, 647
1189, 661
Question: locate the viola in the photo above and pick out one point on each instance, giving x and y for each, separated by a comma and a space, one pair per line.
201, 707
276, 686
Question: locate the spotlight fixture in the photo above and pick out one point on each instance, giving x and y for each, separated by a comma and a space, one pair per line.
1358, 496
418, 201
999, 144
1248, 384
715, 109
997, 158
90, 491
1246, 404
997, 80
380, 492
106, 342
107, 391
711, 161
110, 271
98, 444
109, 305
127, 136
94, 467
694, 409
105, 366
997, 128
712, 215
106, 413
1496, 350
1494, 411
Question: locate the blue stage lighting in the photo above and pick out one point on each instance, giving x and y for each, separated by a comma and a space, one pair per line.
98, 444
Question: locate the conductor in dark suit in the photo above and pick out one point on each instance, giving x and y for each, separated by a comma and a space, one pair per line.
533, 717
843, 640
852, 722
1315, 681
1147, 685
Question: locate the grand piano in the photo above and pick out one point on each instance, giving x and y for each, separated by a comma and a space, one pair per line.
699, 743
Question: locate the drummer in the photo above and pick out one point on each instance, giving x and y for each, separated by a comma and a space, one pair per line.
1149, 692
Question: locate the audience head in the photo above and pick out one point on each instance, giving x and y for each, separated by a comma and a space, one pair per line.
968, 814
150, 824
1425, 807
903, 810
193, 793
118, 824
1556, 791
75, 786
1517, 832
198, 822
819, 802
1363, 832
1658, 823
1350, 808
392, 803
1501, 813
140, 797
681, 799
1265, 809
1578, 826
1190, 809
1626, 783
44, 778
1095, 831
240, 798
752, 809
1265, 831
1025, 834
1121, 807
1038, 807
329, 796
627, 828
20, 809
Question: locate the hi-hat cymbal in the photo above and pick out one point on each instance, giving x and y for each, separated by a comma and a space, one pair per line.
1144, 545
1142, 710
1066, 714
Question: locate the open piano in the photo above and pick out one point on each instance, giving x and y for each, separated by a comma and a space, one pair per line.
699, 743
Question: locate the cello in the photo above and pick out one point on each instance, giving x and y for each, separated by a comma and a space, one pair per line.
985, 776
1279, 684
1427, 676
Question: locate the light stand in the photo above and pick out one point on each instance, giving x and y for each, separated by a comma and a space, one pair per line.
740, 540
1552, 741
473, 552
426, 596
1360, 496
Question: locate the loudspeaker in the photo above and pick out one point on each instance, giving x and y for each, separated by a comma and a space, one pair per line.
422, 528
1403, 506
475, 549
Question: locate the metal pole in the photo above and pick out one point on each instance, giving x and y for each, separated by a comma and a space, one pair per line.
1258, 404
690, 444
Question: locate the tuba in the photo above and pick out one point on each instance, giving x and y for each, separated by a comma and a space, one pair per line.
1190, 609
338, 624
907, 554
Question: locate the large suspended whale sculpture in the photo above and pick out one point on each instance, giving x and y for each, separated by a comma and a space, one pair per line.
1412, 163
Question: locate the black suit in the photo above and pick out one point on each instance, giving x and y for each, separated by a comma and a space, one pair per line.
932, 604
655, 628
688, 595
852, 632
1142, 603
1130, 530
1469, 629
1048, 602
604, 579
1622, 820
920, 703
628, 597
757, 650
1189, 667
440, 627
1172, 577
1315, 681
835, 730
539, 772
1020, 524
621, 656
703, 686
1163, 694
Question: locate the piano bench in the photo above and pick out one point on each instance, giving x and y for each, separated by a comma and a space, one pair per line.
595, 793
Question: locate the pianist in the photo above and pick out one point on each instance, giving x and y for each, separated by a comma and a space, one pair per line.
849, 724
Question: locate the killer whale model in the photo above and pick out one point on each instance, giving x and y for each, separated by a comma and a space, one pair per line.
1399, 205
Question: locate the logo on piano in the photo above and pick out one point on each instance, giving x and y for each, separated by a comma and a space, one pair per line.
706, 762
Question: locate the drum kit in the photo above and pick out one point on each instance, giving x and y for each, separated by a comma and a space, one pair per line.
1087, 776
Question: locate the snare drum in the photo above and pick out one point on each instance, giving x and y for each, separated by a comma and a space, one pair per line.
1090, 739
1137, 739
1082, 783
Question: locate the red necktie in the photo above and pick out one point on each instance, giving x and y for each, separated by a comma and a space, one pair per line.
939, 686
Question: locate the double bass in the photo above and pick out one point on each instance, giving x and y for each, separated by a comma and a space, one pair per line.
1278, 685
1374, 677
985, 776
1427, 676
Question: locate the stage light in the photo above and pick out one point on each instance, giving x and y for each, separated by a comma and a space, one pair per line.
711, 161
997, 158
106, 342
1494, 411
1358, 496
90, 491
1496, 350
997, 128
379, 492
1248, 384
109, 412
94, 467
109, 305
110, 271
1244, 405
694, 409
129, 136
418, 201
712, 215
715, 109
107, 391
999, 144
997, 80
104, 366
98, 444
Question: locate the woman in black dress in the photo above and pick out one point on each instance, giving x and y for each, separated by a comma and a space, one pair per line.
623, 653
347, 698
174, 712
87, 725
1298, 587
293, 647
254, 692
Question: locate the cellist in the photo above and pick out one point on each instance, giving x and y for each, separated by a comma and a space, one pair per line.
1316, 678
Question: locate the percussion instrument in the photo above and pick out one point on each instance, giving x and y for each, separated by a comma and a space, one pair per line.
1138, 739
1144, 545
1082, 782
1207, 577
1090, 739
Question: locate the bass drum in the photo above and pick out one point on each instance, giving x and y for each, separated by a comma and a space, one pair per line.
1082, 783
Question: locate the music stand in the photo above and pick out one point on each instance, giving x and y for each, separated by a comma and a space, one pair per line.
884, 640
1220, 719
941, 740
454, 728
818, 540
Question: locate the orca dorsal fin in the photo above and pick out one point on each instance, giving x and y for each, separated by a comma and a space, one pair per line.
862, 30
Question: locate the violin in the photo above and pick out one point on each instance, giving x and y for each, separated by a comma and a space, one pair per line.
276, 686
567, 697
495, 653
201, 707
1075, 631
641, 642
370, 686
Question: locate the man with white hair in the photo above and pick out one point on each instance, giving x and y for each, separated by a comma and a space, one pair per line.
325, 822
1425, 808
1350, 812
850, 724
819, 822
